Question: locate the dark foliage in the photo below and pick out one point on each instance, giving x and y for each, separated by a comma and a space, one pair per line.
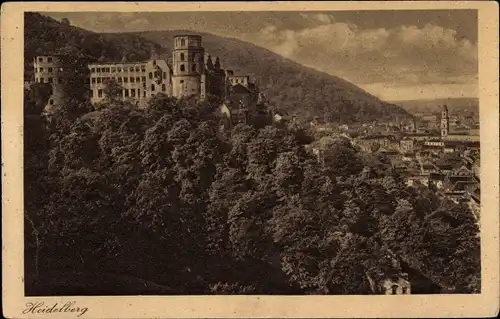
158, 194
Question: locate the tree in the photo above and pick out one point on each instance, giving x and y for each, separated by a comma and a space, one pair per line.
113, 91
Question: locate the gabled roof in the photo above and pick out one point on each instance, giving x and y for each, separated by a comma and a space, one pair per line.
239, 89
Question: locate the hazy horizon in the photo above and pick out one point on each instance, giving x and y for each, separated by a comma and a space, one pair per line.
394, 55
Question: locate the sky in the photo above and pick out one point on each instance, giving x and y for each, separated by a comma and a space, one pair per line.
395, 55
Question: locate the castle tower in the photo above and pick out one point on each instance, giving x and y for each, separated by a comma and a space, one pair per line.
49, 69
188, 66
445, 128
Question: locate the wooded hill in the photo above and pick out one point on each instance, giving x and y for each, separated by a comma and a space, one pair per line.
290, 86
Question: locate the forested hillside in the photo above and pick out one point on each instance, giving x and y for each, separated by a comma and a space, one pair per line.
290, 86
125, 196
45, 36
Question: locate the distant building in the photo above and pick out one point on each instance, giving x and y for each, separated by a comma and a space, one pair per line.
407, 145
238, 79
445, 126
233, 113
396, 285
418, 179
190, 72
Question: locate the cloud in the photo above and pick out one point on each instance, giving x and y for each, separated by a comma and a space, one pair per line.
402, 55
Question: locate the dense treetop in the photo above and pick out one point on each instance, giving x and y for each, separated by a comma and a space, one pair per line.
161, 194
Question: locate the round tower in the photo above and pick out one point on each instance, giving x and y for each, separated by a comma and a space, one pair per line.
48, 69
445, 128
188, 66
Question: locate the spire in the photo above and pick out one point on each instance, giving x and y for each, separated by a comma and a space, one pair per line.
445, 108
124, 59
217, 63
210, 64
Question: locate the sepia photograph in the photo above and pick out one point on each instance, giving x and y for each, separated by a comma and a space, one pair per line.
251, 153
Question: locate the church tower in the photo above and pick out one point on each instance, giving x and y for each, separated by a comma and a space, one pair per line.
445, 128
188, 66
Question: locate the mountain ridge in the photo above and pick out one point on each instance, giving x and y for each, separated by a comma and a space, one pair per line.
455, 105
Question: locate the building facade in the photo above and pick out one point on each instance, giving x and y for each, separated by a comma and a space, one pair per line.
139, 80
189, 72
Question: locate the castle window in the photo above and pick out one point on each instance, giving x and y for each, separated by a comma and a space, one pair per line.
137, 79
163, 87
99, 80
164, 75
138, 92
125, 80
143, 68
131, 69
155, 74
119, 69
183, 68
99, 93
51, 80
182, 81
183, 42
113, 69
51, 102
50, 70
92, 70
152, 87
132, 93
49, 59
150, 75
137, 69
193, 68
42, 80
132, 79
126, 93
144, 93
182, 56
405, 290
143, 79
93, 80
107, 70
98, 69
40, 59
119, 80
41, 69
144, 85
